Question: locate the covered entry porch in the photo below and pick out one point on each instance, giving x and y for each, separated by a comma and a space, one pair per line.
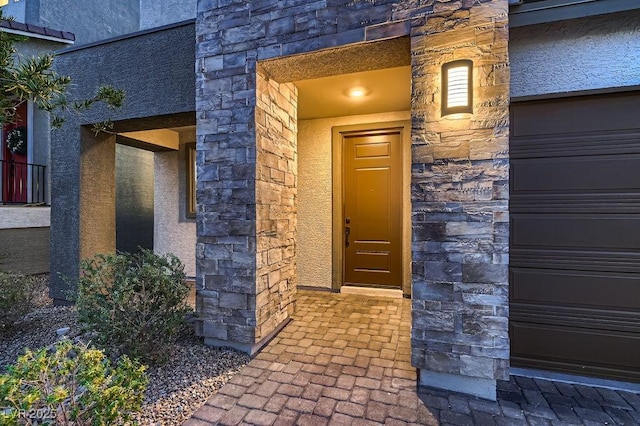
250, 182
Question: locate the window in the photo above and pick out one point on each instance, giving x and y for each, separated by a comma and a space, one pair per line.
192, 179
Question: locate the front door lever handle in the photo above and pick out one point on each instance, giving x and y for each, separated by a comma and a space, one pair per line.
347, 231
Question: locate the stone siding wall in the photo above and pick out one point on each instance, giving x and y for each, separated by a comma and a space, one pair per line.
230, 38
460, 167
226, 187
460, 202
276, 204
268, 29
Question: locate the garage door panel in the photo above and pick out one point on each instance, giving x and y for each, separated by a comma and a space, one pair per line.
585, 202
593, 318
576, 174
573, 349
614, 232
574, 260
582, 114
595, 289
575, 235
566, 145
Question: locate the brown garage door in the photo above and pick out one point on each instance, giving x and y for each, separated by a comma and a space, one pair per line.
575, 235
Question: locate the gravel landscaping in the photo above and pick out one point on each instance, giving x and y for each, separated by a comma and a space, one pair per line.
176, 390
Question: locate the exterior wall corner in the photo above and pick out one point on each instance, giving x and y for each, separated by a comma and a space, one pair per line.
460, 178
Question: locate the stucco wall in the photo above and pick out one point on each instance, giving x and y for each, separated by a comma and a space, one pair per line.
154, 13
89, 20
16, 9
173, 232
41, 141
134, 198
581, 54
24, 250
155, 69
24, 239
35, 47
159, 85
97, 204
315, 195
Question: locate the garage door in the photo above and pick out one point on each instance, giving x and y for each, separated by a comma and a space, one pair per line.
575, 235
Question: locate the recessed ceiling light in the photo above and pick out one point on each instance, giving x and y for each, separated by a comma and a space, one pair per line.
357, 92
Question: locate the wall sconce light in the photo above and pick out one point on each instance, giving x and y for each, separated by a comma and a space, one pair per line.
457, 87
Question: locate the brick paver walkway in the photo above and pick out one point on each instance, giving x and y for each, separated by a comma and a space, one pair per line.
345, 359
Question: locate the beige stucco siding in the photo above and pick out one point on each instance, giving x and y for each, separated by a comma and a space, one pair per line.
314, 193
173, 232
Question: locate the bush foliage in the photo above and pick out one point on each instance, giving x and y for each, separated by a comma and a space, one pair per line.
135, 302
70, 384
16, 297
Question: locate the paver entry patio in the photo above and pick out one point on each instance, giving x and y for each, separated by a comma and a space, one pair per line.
345, 359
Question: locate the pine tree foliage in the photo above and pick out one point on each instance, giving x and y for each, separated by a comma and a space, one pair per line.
33, 79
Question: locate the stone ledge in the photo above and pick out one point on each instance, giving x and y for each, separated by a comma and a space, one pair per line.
373, 292
480, 387
25, 217
251, 349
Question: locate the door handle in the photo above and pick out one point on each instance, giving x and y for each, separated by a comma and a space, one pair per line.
347, 231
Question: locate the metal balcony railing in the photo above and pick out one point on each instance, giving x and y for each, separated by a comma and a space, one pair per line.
22, 183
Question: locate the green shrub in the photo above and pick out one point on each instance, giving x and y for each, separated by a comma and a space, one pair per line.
16, 297
136, 302
70, 384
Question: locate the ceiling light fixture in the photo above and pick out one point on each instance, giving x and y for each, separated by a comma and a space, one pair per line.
357, 92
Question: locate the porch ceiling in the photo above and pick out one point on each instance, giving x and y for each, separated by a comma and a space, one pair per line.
354, 58
165, 139
386, 90
325, 77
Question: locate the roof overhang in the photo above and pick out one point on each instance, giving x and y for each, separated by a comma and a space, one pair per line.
531, 12
37, 32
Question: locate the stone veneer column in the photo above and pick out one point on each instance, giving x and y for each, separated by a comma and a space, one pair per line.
276, 204
246, 193
460, 174
226, 194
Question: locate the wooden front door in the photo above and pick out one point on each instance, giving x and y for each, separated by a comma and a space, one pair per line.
372, 205
14, 178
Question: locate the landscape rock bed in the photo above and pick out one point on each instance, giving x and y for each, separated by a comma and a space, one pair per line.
176, 389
